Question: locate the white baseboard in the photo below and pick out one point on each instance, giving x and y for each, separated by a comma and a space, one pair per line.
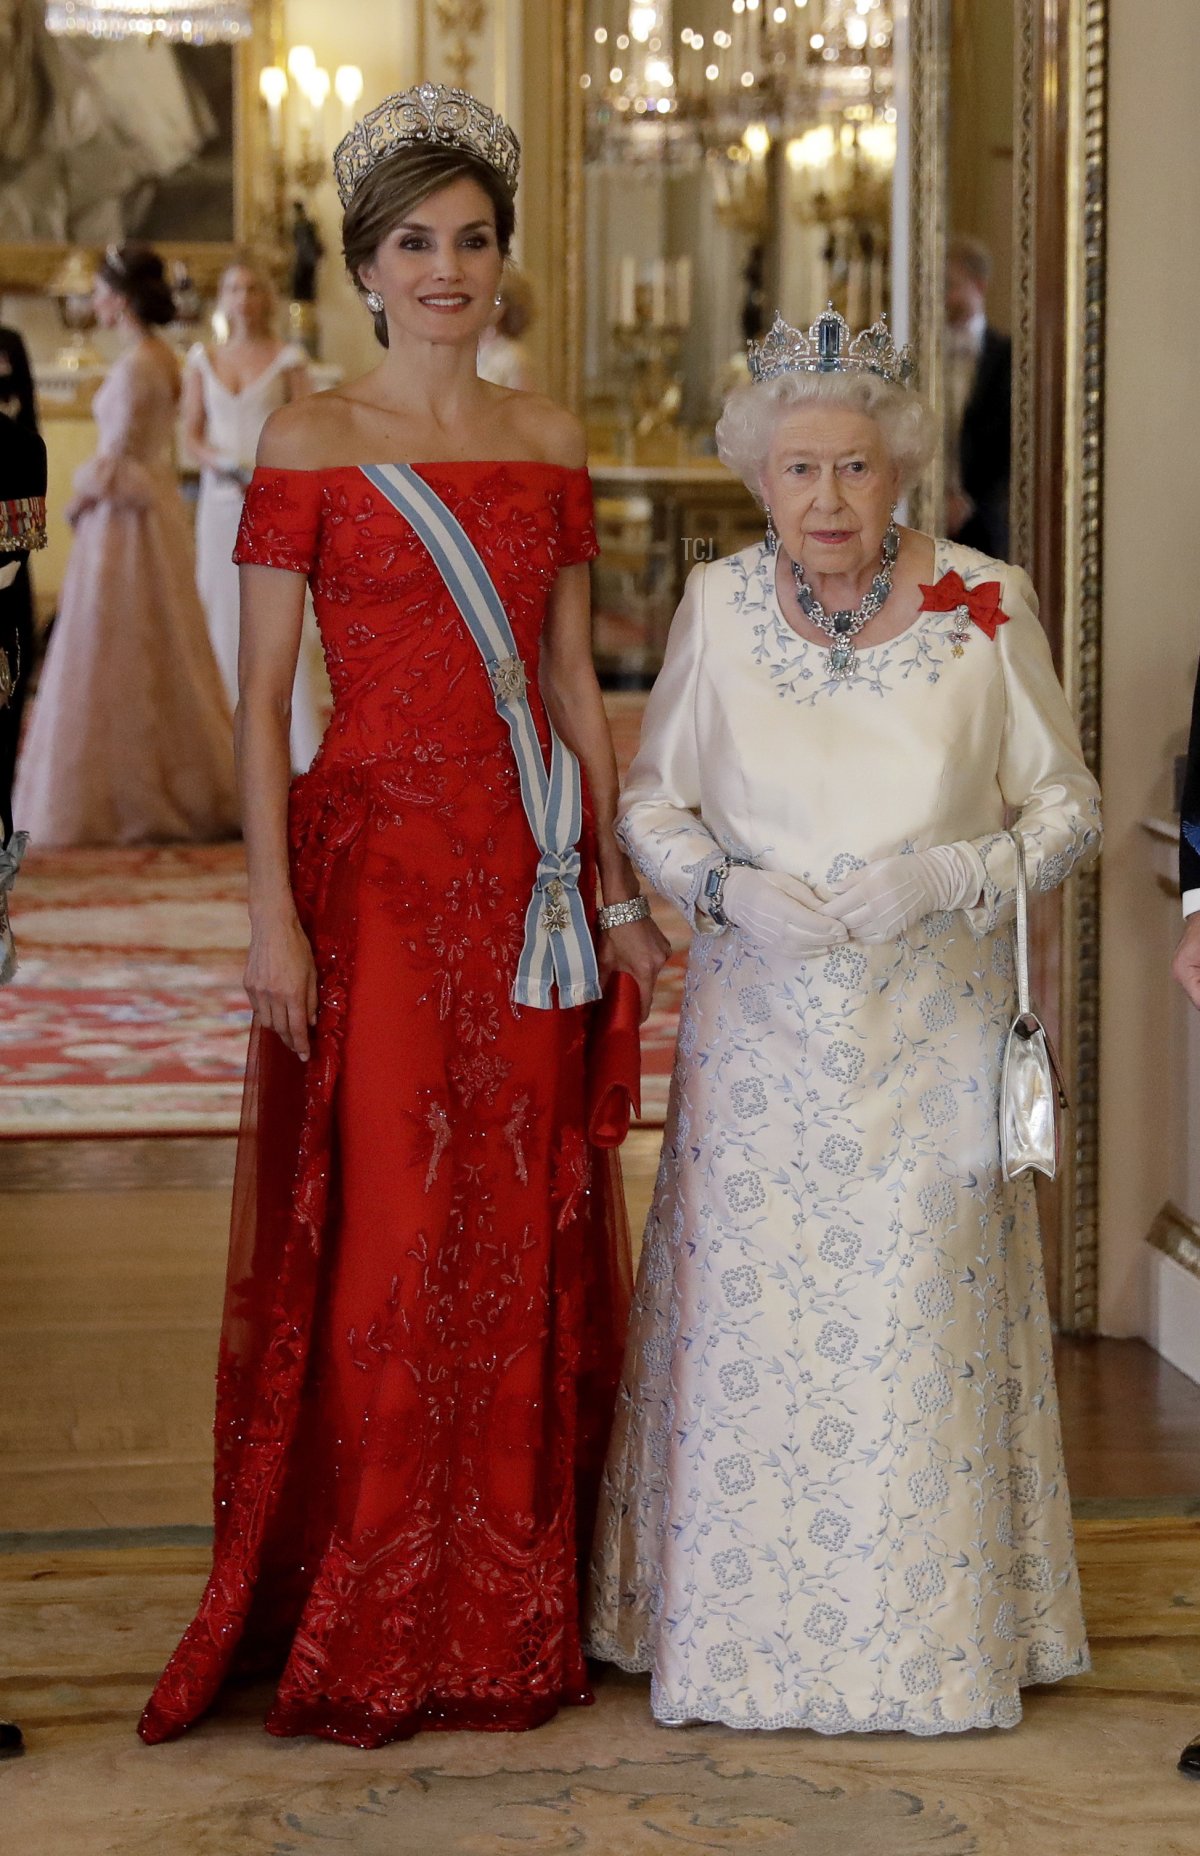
1173, 1313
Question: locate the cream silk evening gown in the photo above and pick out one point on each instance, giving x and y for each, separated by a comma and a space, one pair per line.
835, 1496
233, 424
131, 739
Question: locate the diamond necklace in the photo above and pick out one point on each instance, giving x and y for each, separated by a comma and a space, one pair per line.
844, 626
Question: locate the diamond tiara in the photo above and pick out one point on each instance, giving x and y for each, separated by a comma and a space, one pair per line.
426, 113
829, 348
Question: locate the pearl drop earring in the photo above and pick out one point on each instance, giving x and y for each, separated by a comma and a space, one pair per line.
771, 538
497, 299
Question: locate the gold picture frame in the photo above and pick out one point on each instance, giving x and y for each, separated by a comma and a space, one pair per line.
1058, 310
1057, 500
1058, 462
29, 266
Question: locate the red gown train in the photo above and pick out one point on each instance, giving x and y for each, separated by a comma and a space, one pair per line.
428, 1266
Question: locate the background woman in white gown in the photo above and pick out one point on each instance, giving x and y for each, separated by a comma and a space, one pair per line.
229, 392
503, 357
835, 1495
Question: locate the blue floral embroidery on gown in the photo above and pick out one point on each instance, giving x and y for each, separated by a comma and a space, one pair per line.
835, 1497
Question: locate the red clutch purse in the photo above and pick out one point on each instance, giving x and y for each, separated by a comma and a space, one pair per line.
614, 1064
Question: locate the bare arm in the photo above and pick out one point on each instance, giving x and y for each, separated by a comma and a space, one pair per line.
281, 980
195, 421
576, 708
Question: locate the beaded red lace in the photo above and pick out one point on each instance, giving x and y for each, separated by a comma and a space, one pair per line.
428, 1272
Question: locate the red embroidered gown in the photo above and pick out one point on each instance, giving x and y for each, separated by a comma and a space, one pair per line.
426, 1281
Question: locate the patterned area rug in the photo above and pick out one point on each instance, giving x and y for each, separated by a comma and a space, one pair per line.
127, 1014
1089, 1772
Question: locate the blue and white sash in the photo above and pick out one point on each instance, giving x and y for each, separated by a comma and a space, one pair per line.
557, 947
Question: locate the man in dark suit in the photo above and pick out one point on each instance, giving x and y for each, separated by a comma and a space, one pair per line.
22, 527
1186, 966
978, 405
17, 405
16, 380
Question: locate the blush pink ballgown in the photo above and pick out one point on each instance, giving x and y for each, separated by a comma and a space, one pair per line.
130, 740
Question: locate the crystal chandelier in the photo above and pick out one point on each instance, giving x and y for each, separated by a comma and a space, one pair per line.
657, 89
633, 114
187, 22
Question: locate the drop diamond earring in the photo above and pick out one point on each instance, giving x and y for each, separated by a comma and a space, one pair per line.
771, 538
374, 302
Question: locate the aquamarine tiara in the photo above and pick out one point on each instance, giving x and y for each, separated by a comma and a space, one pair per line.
829, 348
426, 113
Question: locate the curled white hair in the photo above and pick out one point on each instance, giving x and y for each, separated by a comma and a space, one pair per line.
751, 413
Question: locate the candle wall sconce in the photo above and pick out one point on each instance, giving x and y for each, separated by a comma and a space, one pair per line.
307, 113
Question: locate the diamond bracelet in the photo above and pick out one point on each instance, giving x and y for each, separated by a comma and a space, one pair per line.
619, 914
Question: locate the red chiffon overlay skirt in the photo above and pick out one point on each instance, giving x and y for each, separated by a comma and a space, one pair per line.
427, 1289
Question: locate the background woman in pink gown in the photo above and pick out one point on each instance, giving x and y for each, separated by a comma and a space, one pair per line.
131, 737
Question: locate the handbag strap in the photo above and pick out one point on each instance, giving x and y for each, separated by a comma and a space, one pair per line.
1022, 928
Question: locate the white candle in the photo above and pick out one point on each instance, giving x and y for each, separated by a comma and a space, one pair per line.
272, 88
317, 89
658, 293
627, 293
301, 63
683, 293
348, 82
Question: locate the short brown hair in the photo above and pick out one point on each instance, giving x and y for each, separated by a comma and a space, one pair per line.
386, 196
972, 256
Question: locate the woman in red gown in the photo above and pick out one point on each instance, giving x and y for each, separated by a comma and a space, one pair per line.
425, 1295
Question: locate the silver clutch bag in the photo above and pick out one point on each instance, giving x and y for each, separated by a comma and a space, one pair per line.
1032, 1097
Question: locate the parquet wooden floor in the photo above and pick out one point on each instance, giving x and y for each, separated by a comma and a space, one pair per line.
111, 1265
111, 1277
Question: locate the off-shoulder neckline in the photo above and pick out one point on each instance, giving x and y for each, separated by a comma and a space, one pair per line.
329, 470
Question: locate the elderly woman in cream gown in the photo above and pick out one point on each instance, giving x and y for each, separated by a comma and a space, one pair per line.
835, 1496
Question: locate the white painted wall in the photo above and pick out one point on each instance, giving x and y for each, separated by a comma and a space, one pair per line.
381, 37
1151, 625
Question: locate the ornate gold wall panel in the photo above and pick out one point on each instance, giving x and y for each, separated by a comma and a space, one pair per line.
1057, 474
928, 81
1024, 282
1082, 505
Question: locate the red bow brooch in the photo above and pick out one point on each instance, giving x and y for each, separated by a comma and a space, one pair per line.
979, 604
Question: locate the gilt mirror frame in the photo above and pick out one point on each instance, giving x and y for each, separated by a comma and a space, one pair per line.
28, 266
1059, 138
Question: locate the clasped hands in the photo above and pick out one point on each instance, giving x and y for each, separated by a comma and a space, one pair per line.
876, 904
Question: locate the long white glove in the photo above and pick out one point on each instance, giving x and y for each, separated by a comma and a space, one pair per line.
779, 913
879, 903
